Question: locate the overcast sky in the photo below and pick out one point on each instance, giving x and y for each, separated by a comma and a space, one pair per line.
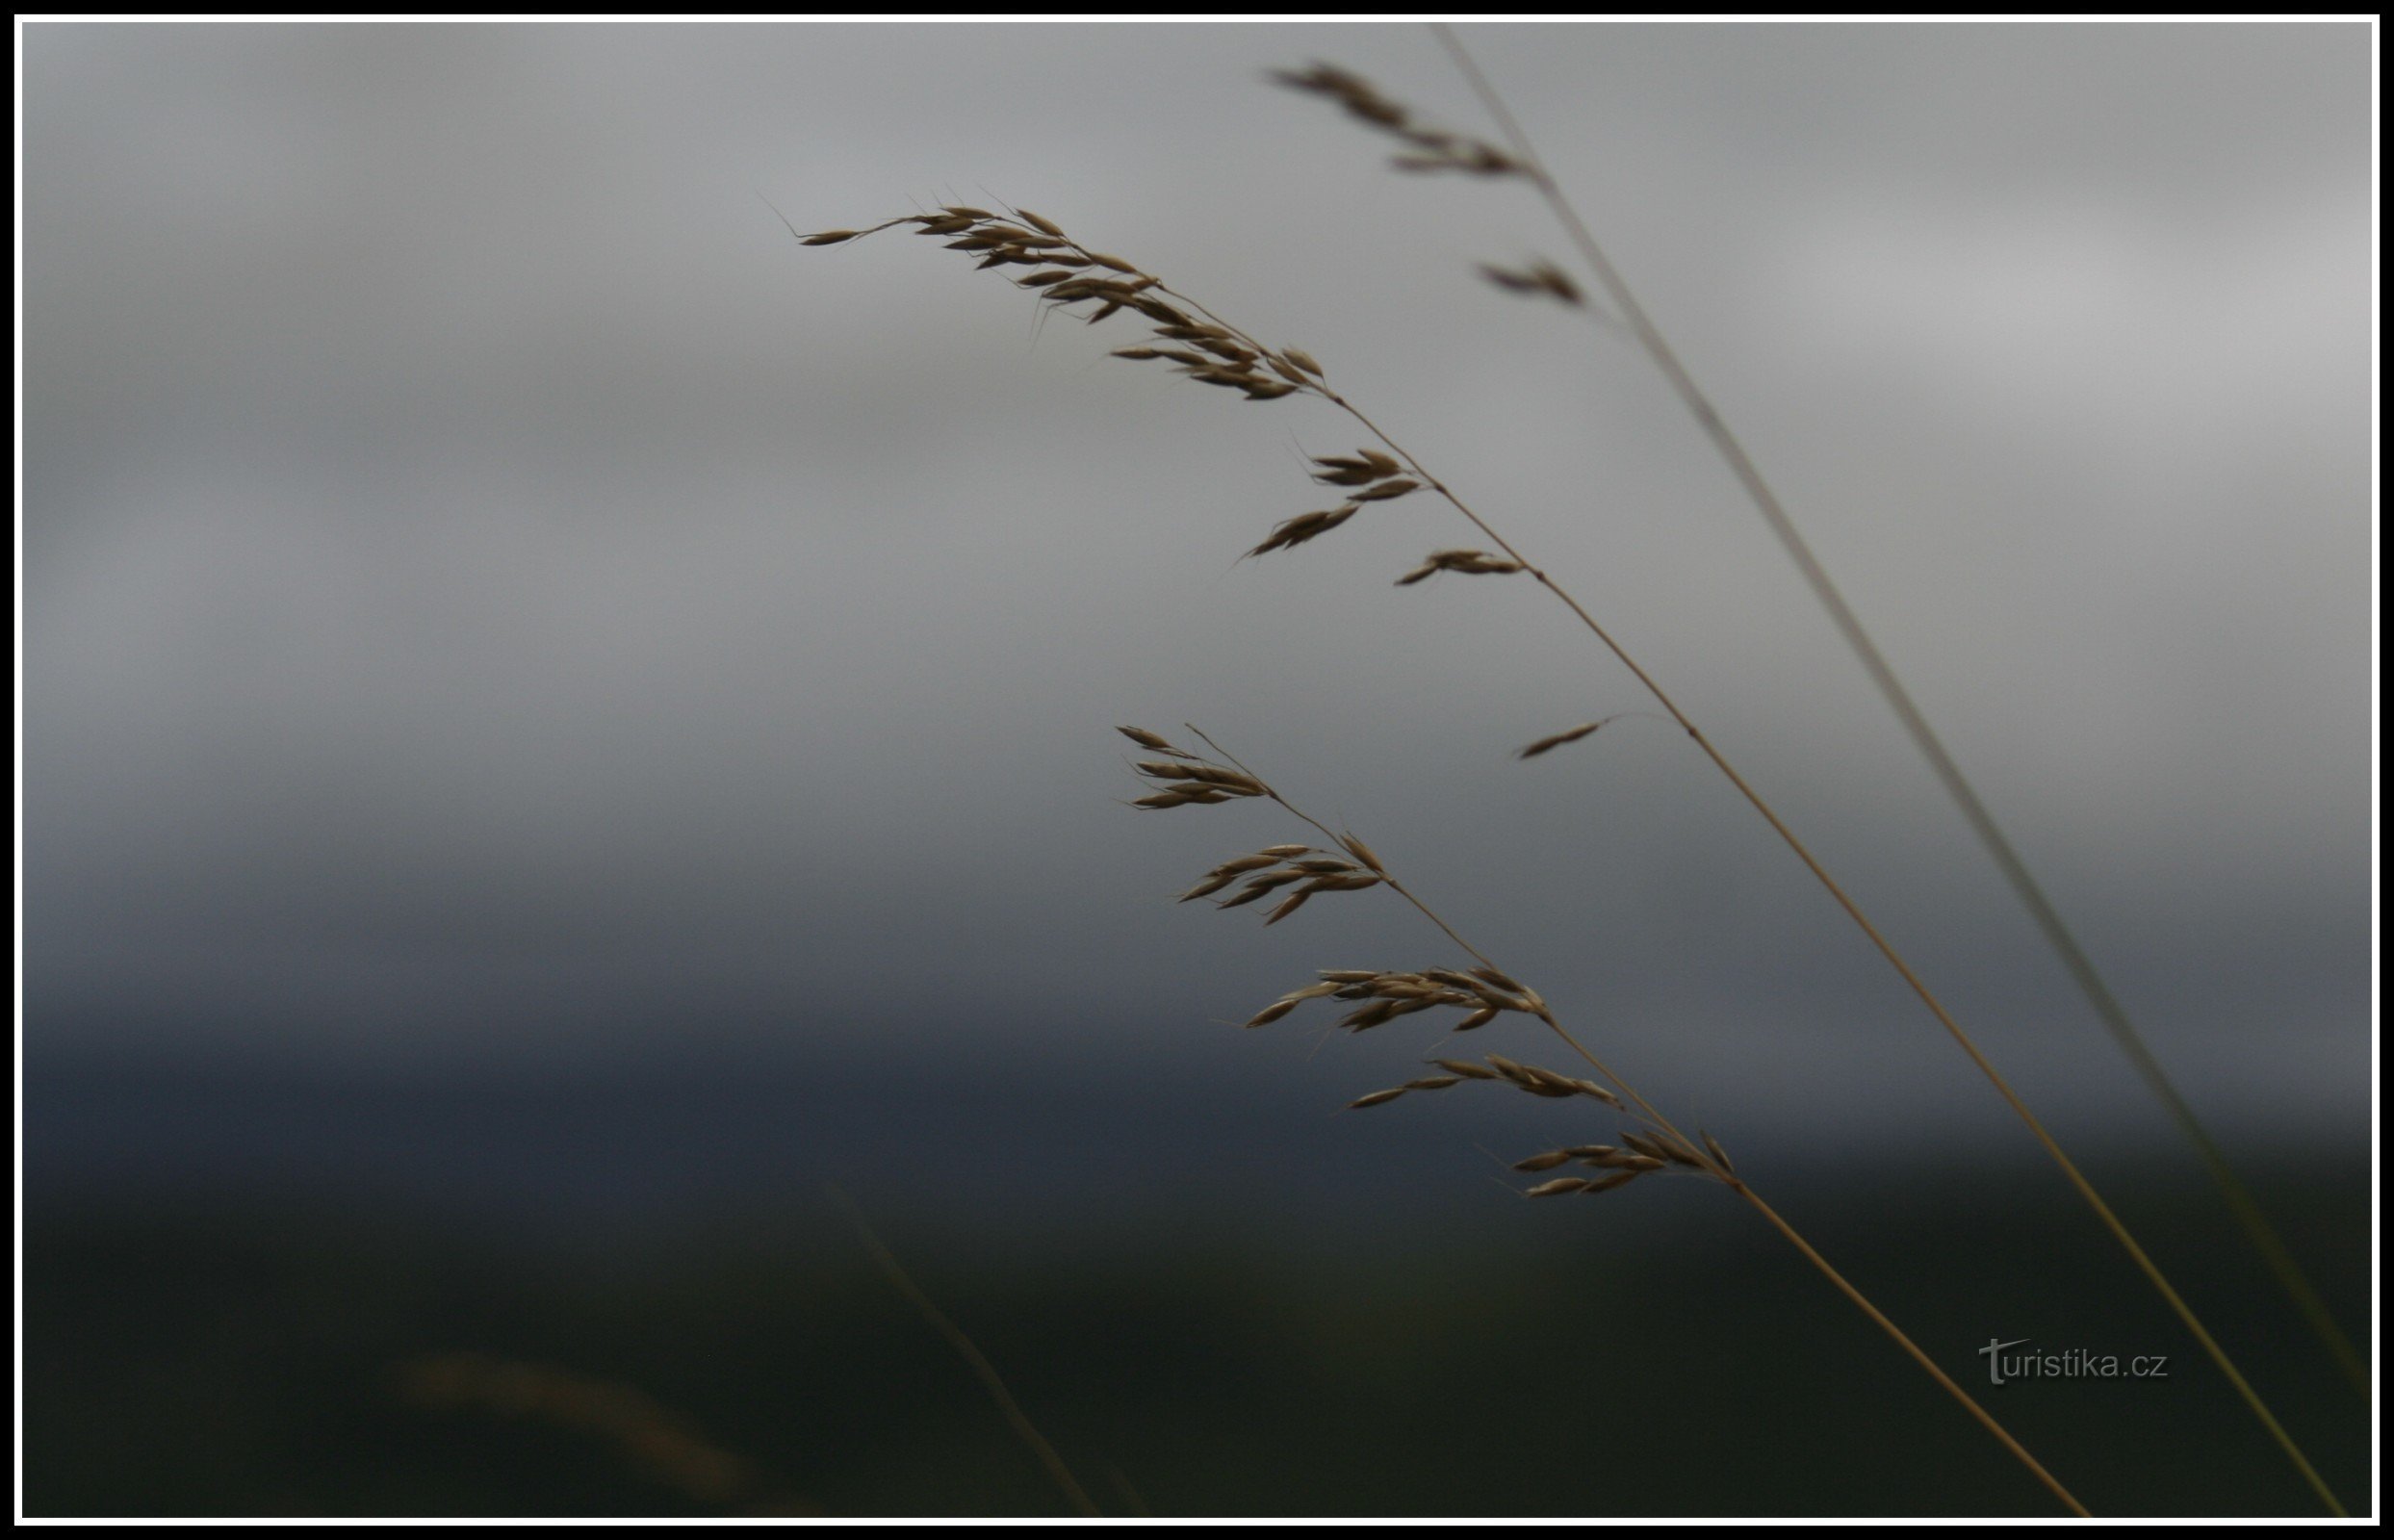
489, 592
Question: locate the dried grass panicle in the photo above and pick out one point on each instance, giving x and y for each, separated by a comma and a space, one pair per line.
1563, 1185
1378, 996
1381, 997
1359, 469
1374, 476
1429, 149
1648, 1151
1232, 780
1463, 561
1189, 780
1067, 273
1550, 1083
1436, 150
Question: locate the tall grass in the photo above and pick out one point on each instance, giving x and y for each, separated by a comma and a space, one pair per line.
1204, 348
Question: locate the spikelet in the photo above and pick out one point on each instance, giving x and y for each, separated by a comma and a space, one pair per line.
1568, 736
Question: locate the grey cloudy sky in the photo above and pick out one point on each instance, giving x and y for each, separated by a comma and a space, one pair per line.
489, 593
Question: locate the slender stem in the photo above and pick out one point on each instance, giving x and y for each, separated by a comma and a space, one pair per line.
1715, 1168
2107, 1007
1985, 1418
978, 1361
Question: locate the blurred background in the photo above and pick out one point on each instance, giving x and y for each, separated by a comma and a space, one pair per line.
558, 723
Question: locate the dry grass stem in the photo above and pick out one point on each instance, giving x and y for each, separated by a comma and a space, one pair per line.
2241, 1204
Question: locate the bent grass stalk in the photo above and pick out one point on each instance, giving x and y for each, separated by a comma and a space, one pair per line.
1431, 149
1204, 348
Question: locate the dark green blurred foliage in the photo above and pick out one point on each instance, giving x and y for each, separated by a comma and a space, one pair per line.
253, 1364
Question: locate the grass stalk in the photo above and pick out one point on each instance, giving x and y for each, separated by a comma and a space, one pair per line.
2246, 1209
1704, 1150
974, 1359
1212, 352
1432, 149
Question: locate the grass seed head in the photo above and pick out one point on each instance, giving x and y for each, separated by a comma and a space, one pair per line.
1720, 1156
1271, 1012
1568, 736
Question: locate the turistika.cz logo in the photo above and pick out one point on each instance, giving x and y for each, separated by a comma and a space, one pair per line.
2070, 1363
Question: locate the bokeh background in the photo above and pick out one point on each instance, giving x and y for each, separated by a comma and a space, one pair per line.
558, 723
